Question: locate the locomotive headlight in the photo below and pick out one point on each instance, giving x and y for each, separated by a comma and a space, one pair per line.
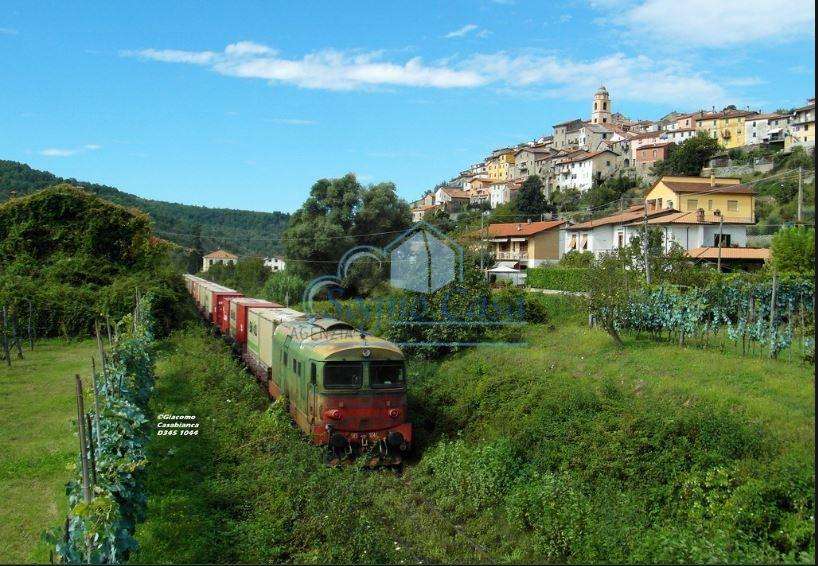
333, 414
394, 413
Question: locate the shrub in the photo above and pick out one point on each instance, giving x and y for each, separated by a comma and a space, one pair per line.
574, 279
575, 258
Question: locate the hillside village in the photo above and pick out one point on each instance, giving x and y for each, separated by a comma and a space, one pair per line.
707, 215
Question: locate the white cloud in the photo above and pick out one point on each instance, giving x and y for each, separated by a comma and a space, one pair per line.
8, 31
630, 78
637, 78
294, 121
68, 152
57, 152
461, 32
704, 23
327, 69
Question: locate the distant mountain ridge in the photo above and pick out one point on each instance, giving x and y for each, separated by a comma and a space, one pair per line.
240, 231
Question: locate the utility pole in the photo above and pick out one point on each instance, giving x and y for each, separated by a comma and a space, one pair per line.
800, 193
721, 235
645, 246
483, 241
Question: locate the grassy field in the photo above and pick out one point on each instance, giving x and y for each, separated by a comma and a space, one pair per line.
37, 443
564, 450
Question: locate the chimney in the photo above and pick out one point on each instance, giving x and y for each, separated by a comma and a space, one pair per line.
699, 215
712, 180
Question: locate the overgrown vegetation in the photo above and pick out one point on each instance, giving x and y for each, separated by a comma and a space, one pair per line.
75, 258
644, 455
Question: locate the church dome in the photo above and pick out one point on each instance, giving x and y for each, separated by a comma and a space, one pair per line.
602, 90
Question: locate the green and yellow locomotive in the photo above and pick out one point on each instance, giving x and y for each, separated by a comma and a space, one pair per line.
346, 389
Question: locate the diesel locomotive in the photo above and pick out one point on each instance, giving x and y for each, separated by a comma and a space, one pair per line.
346, 389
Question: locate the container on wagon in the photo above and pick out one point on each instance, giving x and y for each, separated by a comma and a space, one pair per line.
236, 316
261, 325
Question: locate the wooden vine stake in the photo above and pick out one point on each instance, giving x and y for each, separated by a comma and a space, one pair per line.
100, 347
772, 316
86, 485
96, 397
6, 353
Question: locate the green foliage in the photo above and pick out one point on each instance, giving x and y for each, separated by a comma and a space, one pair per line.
689, 157
101, 531
597, 457
284, 288
338, 215
574, 279
576, 258
610, 190
793, 250
248, 275
530, 199
196, 227
566, 199
74, 257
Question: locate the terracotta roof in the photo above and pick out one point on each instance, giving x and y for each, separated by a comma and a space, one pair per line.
645, 135
689, 217
584, 155
761, 254
512, 229
633, 213
655, 145
704, 187
455, 193
426, 207
221, 254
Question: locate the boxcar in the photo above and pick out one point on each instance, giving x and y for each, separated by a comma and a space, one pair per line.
235, 318
215, 301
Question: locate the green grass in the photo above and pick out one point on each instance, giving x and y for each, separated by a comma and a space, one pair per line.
564, 450
38, 443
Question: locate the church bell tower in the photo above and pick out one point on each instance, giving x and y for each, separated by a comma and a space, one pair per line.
602, 107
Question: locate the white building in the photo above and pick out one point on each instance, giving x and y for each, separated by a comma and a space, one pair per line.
275, 263
690, 230
218, 256
679, 135
581, 170
765, 128
503, 192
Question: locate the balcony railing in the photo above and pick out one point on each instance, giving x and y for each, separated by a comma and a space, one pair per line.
512, 255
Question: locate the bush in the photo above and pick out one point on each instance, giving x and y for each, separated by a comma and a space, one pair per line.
575, 258
793, 249
574, 279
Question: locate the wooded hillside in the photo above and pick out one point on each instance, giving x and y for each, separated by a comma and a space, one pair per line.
240, 231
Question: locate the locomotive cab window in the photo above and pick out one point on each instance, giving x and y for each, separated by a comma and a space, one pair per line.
386, 374
343, 374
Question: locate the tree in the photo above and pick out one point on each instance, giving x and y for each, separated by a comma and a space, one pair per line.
793, 249
609, 191
688, 158
338, 215
565, 199
609, 286
530, 199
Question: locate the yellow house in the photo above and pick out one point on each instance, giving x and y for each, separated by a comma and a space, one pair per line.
802, 127
736, 202
726, 126
499, 163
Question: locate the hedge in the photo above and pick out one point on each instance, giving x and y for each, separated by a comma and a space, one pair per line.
573, 279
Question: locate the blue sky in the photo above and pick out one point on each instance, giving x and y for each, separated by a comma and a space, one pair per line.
246, 104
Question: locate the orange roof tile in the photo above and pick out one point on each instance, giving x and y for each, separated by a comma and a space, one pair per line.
761, 254
523, 228
221, 254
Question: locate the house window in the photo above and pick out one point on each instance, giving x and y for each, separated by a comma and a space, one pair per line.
659, 203
732, 205
621, 240
710, 204
692, 204
725, 240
